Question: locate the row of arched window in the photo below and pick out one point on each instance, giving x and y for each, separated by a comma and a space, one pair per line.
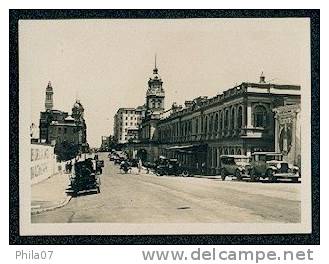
230, 118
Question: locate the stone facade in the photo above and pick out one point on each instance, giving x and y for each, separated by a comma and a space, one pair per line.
57, 126
288, 133
126, 123
239, 121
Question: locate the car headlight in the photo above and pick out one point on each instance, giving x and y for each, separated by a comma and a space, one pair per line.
278, 165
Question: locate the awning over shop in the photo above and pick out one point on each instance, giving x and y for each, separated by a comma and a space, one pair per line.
180, 147
188, 148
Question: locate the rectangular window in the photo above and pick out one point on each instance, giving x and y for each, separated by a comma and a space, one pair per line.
65, 130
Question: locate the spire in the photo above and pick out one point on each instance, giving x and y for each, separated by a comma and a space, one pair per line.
262, 78
155, 70
155, 60
49, 86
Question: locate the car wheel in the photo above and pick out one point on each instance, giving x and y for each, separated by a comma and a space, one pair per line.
185, 173
238, 175
223, 174
271, 176
253, 175
98, 190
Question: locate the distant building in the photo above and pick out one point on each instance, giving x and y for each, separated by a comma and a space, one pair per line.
57, 126
107, 142
126, 124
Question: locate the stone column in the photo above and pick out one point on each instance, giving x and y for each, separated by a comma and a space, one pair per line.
243, 122
218, 159
276, 133
249, 115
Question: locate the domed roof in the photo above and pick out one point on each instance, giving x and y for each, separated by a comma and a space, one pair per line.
78, 105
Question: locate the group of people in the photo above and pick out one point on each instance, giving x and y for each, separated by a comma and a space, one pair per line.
126, 166
68, 167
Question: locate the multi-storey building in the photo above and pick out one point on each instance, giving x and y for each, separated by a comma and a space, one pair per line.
72, 129
49, 115
126, 124
239, 121
57, 126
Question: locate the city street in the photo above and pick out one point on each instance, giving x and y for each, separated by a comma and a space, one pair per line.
147, 198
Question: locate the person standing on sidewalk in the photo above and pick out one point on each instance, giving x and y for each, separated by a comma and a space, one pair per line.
139, 166
203, 168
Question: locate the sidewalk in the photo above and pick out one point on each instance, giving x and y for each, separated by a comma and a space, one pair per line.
50, 193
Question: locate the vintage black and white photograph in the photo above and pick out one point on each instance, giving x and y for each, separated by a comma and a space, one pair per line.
165, 126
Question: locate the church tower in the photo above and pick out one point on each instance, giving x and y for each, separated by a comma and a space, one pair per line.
155, 94
78, 111
49, 97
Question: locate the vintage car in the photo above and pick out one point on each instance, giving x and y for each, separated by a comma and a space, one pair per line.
234, 165
83, 178
170, 167
133, 162
119, 159
270, 165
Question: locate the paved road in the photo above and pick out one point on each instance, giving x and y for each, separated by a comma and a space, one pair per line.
134, 198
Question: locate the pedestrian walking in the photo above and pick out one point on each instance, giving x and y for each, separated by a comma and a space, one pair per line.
70, 167
139, 166
203, 167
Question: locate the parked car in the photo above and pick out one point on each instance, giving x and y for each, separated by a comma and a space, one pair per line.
271, 165
133, 162
170, 167
234, 165
118, 160
150, 165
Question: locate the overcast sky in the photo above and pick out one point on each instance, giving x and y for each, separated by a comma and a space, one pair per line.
107, 63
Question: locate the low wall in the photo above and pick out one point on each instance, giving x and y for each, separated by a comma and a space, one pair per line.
43, 162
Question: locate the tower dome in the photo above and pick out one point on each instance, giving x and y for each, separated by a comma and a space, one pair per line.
77, 110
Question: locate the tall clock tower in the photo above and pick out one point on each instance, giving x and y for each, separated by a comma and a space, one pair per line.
49, 103
155, 94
